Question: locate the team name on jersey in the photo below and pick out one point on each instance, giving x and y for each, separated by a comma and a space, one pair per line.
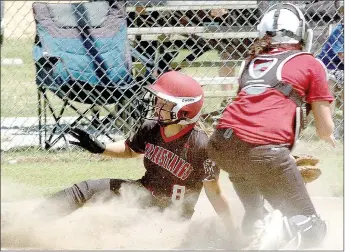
168, 160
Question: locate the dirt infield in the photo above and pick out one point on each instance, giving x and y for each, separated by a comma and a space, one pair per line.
122, 225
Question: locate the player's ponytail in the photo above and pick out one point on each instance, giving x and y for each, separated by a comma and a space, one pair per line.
260, 46
264, 45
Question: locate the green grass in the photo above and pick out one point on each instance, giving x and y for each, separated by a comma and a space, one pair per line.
43, 173
46, 172
18, 90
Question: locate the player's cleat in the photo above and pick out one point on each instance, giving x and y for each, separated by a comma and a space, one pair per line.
270, 234
267, 232
277, 232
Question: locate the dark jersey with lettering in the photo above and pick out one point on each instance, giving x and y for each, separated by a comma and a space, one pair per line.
175, 166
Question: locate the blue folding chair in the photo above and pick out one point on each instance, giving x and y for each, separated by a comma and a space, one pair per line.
82, 55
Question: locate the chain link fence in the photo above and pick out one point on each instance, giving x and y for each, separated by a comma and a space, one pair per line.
49, 56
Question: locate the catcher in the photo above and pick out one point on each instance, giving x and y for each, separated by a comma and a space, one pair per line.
278, 85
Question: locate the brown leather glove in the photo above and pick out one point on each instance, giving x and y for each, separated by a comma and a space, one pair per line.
306, 164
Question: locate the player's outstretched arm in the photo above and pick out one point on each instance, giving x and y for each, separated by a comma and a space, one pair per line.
220, 204
88, 142
119, 150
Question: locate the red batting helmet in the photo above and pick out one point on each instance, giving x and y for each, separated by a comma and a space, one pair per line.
181, 90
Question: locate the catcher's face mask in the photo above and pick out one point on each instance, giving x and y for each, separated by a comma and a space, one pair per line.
286, 24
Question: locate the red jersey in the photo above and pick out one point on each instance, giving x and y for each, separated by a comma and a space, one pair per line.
269, 117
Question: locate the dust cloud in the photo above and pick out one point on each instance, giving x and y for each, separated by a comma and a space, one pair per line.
123, 222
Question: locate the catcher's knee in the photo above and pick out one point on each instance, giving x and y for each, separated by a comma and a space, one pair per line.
310, 231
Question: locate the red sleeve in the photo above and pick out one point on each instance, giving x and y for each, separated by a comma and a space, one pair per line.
318, 82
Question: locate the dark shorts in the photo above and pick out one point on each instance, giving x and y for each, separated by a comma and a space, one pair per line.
115, 184
266, 170
86, 190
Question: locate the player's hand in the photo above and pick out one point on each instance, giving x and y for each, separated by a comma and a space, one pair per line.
86, 141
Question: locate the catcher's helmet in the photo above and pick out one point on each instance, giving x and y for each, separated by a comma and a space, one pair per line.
182, 91
286, 24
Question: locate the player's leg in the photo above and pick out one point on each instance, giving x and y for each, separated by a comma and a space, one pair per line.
70, 199
252, 201
238, 169
282, 185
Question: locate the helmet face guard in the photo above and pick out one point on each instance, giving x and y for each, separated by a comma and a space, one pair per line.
150, 111
277, 24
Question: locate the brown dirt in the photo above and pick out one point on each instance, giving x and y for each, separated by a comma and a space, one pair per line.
121, 224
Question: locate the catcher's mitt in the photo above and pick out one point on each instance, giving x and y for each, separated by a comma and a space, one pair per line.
306, 164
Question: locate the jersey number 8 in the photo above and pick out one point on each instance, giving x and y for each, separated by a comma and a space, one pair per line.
178, 193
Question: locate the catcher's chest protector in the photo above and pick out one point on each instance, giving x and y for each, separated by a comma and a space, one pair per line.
256, 79
267, 74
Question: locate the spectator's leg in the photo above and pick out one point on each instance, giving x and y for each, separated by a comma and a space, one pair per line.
228, 69
337, 107
332, 87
